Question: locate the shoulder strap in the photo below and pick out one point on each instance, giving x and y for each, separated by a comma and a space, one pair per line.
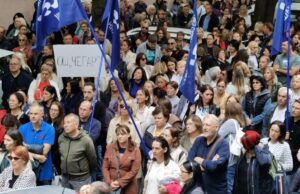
117, 163
213, 148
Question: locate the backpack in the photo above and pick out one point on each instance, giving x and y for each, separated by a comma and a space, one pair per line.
235, 143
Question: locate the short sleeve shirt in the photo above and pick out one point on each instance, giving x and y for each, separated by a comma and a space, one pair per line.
45, 135
282, 61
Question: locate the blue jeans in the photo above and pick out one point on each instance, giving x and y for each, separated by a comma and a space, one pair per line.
97, 173
230, 178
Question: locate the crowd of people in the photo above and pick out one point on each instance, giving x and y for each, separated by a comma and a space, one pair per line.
240, 136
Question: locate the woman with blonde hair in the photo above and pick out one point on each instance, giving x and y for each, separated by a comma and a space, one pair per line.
193, 129
36, 88
238, 85
234, 120
272, 82
122, 118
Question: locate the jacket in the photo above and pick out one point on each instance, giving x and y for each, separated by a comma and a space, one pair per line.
267, 120
12, 84
215, 173
78, 156
256, 107
25, 180
129, 165
143, 49
213, 22
257, 174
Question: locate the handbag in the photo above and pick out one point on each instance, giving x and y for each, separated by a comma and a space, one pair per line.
119, 191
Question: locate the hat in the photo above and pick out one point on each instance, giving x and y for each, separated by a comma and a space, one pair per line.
250, 139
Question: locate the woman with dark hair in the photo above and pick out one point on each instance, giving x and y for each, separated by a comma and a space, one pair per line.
256, 103
257, 159
279, 147
12, 139
141, 61
56, 117
122, 162
16, 102
49, 96
127, 56
191, 178
162, 170
144, 109
137, 81
161, 116
72, 98
111, 95
204, 104
178, 153
161, 34
172, 67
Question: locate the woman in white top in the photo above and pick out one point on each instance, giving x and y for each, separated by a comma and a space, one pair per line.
178, 153
278, 147
143, 111
161, 169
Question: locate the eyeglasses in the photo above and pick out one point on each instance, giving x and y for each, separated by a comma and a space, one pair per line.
145, 28
22, 40
13, 158
122, 106
171, 42
143, 59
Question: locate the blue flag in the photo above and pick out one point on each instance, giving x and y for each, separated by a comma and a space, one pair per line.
281, 25
53, 15
187, 85
111, 25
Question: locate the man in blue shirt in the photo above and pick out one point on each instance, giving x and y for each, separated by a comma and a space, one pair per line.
38, 132
211, 152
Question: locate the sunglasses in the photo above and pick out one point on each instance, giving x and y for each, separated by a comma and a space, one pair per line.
145, 28
122, 106
171, 42
13, 158
143, 59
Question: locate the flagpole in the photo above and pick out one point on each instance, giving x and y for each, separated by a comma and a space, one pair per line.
145, 149
98, 76
288, 63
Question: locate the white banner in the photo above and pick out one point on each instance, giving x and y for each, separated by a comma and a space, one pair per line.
77, 60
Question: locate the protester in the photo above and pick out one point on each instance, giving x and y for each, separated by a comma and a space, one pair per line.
211, 152
257, 158
19, 175
121, 162
162, 170
12, 139
76, 174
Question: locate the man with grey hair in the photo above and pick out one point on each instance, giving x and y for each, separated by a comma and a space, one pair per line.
14, 80
37, 132
277, 112
78, 155
211, 152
